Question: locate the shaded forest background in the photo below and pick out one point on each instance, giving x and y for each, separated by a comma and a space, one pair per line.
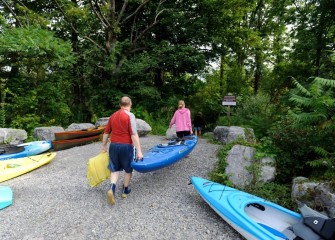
65, 61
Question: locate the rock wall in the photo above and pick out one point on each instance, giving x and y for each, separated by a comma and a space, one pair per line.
12, 136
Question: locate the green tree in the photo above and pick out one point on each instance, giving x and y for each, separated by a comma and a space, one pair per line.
128, 45
314, 110
306, 135
37, 80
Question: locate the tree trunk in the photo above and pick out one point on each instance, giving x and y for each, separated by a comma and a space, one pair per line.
221, 77
159, 79
258, 70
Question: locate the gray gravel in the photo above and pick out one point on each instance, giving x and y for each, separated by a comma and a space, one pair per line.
56, 202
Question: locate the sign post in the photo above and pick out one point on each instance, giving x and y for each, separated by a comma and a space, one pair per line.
229, 100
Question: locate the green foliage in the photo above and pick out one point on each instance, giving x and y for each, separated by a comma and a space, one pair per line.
315, 104
324, 165
305, 135
207, 99
256, 112
140, 112
149, 94
38, 81
35, 43
274, 192
2, 103
2, 115
158, 126
266, 148
27, 122
314, 34
237, 80
294, 150
314, 108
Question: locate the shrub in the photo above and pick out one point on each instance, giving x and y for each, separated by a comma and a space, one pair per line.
256, 112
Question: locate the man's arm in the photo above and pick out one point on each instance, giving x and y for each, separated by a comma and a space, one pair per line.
104, 142
136, 141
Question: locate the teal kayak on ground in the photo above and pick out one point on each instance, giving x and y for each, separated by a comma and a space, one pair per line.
251, 216
30, 149
6, 196
258, 219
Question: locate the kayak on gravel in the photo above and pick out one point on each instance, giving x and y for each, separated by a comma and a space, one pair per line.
83, 133
6, 196
10, 149
59, 145
15, 167
256, 218
27, 149
163, 155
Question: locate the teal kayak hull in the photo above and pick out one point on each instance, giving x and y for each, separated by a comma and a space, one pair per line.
6, 196
253, 217
30, 149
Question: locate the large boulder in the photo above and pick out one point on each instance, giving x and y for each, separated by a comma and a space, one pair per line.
12, 136
268, 169
47, 133
102, 122
143, 128
239, 159
317, 195
171, 132
79, 126
226, 134
239, 170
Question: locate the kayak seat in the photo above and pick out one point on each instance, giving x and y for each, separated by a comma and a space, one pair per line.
274, 231
300, 231
10, 149
318, 225
180, 140
290, 234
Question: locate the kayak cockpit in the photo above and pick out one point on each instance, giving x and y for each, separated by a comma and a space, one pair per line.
312, 225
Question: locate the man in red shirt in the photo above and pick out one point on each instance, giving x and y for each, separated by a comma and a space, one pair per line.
124, 140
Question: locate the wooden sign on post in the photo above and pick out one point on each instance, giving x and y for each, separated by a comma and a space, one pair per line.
229, 101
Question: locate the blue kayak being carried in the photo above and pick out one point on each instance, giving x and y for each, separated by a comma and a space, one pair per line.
163, 155
29, 149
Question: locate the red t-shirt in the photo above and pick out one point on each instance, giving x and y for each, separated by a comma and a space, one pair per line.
121, 125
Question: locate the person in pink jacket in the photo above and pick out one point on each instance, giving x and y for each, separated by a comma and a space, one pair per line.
182, 119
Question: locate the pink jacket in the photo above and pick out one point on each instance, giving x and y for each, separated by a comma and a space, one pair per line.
182, 119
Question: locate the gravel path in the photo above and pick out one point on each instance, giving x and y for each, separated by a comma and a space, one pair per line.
56, 202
